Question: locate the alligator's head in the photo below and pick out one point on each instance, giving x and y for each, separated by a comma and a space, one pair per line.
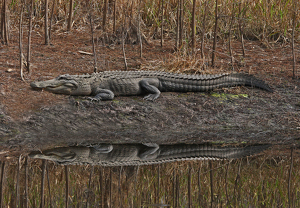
64, 84
60, 155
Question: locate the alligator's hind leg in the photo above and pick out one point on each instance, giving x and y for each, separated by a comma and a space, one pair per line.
102, 148
150, 85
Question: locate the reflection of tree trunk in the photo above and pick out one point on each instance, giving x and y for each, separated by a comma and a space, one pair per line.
44, 164
29, 36
70, 15
2, 182
46, 23
67, 185
18, 184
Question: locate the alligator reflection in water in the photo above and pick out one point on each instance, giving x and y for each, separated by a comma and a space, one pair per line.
269, 179
143, 154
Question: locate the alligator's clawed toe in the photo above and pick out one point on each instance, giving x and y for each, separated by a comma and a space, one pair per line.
151, 97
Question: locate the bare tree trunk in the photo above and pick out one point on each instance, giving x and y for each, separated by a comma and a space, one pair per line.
194, 27
51, 17
93, 41
104, 14
181, 24
4, 23
139, 30
46, 23
241, 30
293, 44
203, 29
215, 36
114, 25
20, 41
70, 15
229, 39
162, 23
29, 36
123, 39
178, 25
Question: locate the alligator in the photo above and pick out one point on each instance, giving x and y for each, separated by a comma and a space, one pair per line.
107, 84
143, 154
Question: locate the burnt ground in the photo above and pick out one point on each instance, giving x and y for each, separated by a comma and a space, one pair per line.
35, 119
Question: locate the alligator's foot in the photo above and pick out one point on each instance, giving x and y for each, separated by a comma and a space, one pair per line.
151, 97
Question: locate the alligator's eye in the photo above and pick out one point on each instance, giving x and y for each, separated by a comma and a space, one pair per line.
63, 77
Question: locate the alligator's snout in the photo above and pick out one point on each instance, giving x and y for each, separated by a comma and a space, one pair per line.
34, 85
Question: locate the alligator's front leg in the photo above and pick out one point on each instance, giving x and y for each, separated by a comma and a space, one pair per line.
102, 94
150, 85
150, 151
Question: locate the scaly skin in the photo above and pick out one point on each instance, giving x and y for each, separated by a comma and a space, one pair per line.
143, 154
105, 85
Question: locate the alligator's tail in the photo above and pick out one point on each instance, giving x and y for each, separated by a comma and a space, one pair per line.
247, 80
207, 152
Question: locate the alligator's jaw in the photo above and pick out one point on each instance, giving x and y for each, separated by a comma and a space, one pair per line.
56, 86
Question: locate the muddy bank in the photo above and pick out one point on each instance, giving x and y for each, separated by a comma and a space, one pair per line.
230, 116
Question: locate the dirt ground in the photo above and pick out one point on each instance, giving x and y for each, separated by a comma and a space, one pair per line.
35, 119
